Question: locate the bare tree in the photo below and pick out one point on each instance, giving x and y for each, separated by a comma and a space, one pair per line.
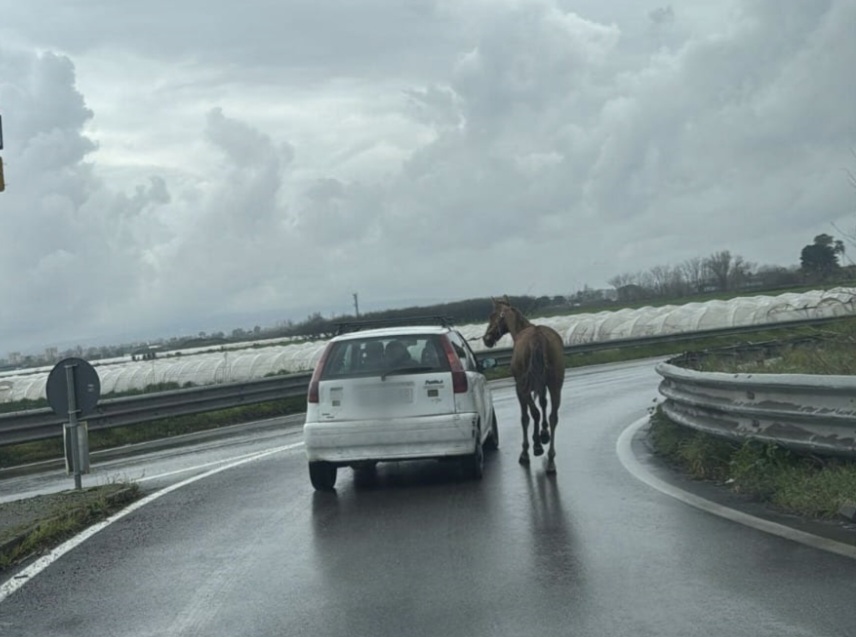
741, 272
659, 276
728, 271
850, 237
694, 274
718, 265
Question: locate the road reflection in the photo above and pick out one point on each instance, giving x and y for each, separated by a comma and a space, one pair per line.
417, 541
555, 558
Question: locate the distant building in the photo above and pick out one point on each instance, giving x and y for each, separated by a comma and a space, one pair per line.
15, 358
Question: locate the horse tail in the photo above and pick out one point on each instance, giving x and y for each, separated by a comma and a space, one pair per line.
536, 373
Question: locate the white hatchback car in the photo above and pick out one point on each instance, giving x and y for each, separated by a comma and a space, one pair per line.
398, 393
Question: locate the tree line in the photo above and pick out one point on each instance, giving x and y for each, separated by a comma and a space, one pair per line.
719, 272
724, 272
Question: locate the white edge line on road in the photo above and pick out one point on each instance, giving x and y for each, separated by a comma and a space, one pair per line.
21, 578
628, 459
167, 474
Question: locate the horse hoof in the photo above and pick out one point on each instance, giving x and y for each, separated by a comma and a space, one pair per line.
551, 469
538, 450
545, 437
524, 458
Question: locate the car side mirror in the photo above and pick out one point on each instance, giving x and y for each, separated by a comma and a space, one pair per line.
487, 363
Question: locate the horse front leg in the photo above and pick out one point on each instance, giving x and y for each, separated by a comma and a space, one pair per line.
555, 401
524, 422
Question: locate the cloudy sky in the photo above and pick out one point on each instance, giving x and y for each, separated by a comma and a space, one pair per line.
181, 166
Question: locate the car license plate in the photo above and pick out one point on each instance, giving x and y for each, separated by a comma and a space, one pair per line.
386, 395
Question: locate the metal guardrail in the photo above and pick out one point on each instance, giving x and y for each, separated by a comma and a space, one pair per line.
40, 424
807, 413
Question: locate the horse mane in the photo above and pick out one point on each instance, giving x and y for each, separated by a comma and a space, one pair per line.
520, 319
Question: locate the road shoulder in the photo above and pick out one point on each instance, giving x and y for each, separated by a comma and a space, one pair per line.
837, 536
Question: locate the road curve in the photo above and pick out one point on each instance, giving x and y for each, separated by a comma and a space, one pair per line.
252, 550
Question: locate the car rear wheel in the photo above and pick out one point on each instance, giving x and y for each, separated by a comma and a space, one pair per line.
492, 442
322, 475
473, 464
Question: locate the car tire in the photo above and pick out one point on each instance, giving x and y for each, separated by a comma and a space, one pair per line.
473, 464
492, 442
323, 475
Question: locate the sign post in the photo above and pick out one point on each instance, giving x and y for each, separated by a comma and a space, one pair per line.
73, 390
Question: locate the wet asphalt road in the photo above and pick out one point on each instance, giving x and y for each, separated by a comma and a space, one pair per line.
417, 551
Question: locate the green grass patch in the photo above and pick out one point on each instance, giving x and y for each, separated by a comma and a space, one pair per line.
808, 486
835, 356
33, 525
176, 426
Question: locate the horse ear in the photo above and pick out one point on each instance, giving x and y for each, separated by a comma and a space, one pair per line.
505, 299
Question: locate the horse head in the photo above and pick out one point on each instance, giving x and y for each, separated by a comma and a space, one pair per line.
497, 326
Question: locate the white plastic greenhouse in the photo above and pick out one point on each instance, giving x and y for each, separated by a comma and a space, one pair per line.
232, 365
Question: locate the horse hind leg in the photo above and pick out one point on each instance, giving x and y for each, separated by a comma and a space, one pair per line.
545, 432
524, 423
540, 425
555, 401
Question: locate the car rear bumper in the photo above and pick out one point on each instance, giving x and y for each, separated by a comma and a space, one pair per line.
360, 440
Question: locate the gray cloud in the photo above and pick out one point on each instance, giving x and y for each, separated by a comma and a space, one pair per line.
254, 41
437, 150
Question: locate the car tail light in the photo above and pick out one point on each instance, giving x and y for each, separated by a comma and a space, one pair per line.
312, 395
459, 376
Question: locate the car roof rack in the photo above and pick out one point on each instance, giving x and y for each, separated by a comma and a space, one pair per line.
356, 326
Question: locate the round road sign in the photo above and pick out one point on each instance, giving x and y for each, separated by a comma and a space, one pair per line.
87, 387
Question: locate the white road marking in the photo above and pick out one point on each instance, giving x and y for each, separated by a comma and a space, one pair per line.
167, 474
628, 459
20, 579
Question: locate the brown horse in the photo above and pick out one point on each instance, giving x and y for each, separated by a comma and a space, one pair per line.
538, 366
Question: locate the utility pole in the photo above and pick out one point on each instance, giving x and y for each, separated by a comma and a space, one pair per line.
356, 305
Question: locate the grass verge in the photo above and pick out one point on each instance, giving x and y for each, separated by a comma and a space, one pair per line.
808, 486
836, 355
31, 526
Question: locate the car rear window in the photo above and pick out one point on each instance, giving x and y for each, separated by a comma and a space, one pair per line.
377, 355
